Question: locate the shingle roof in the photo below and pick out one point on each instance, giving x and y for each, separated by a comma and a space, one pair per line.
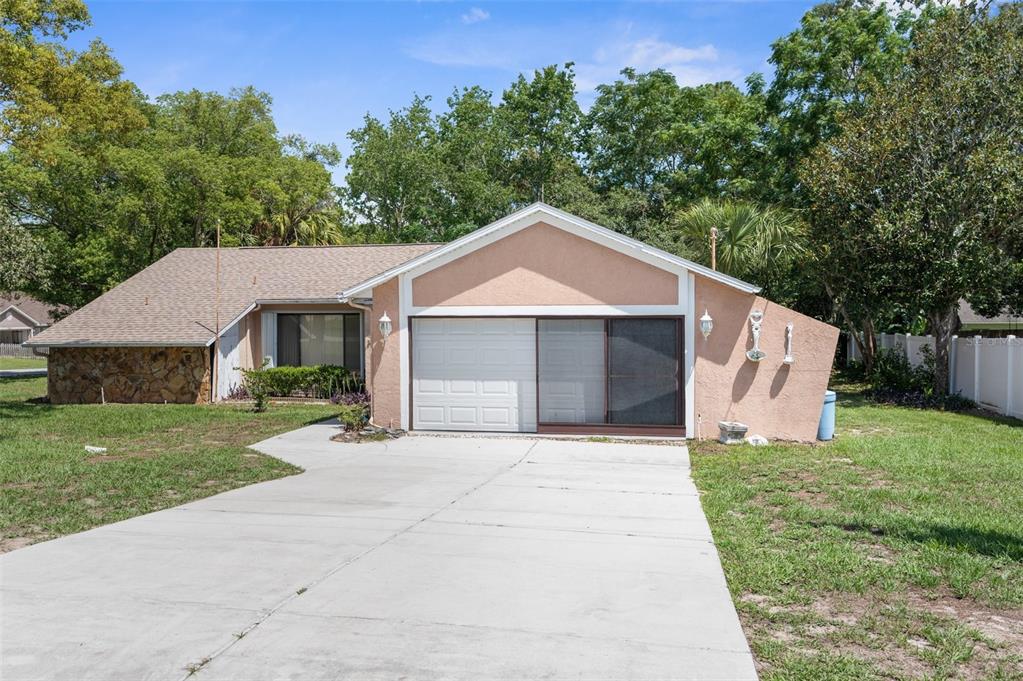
35, 309
173, 300
971, 319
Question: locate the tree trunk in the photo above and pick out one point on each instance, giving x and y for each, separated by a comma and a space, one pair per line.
942, 323
863, 334
869, 347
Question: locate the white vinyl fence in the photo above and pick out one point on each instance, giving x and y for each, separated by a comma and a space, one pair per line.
989, 371
15, 350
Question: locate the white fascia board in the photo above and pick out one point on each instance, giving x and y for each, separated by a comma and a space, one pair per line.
574, 224
548, 311
297, 301
230, 325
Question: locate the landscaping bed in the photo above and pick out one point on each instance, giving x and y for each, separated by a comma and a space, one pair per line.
894, 552
157, 456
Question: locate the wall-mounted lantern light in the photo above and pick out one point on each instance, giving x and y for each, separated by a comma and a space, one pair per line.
755, 354
385, 326
706, 324
789, 359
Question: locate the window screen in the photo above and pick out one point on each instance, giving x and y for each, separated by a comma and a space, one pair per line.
312, 339
571, 370
643, 364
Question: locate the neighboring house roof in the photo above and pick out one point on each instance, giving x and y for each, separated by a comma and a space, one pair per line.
13, 322
173, 301
970, 319
542, 212
32, 310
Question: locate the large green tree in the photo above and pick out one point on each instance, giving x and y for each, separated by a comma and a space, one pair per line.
652, 145
394, 173
842, 50
542, 119
48, 91
920, 197
103, 181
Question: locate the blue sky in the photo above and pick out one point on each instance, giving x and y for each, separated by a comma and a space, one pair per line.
327, 64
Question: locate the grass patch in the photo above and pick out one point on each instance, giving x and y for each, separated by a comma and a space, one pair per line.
894, 552
22, 363
157, 456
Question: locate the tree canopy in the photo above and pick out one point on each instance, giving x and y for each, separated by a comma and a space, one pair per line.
923, 186
872, 181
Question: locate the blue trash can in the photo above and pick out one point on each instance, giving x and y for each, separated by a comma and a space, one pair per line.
826, 429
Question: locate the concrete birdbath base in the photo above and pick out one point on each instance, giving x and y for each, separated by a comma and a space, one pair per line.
732, 432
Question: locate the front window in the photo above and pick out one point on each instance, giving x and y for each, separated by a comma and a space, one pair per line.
311, 339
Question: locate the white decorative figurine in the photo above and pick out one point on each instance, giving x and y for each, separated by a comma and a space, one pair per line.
789, 359
755, 354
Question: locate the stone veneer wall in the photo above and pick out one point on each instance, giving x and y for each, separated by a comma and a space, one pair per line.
129, 374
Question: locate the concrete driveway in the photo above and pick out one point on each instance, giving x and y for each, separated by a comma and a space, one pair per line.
419, 558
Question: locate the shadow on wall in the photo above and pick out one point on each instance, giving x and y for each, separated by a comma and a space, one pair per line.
732, 334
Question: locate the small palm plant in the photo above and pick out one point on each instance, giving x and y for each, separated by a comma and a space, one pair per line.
754, 242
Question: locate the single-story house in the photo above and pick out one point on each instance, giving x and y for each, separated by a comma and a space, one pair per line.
973, 323
22, 317
539, 322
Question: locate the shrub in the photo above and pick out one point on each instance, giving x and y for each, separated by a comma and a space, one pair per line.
894, 380
238, 392
918, 399
321, 381
354, 397
892, 372
353, 416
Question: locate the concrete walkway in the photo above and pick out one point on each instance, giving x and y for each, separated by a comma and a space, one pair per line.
418, 558
22, 373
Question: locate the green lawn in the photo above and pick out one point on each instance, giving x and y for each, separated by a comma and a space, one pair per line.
22, 363
894, 552
158, 456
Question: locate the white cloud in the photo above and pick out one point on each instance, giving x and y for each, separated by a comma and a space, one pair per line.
475, 15
599, 53
690, 65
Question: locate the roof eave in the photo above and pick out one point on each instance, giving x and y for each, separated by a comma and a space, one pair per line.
115, 344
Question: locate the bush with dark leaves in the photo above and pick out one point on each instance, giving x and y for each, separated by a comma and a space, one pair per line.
919, 399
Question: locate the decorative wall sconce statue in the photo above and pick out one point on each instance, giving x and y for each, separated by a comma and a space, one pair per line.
755, 354
789, 359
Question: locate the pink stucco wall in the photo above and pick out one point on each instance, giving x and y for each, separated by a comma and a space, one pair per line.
544, 265
383, 359
778, 401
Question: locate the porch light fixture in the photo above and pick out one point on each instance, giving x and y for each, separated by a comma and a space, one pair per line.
706, 324
755, 354
385, 326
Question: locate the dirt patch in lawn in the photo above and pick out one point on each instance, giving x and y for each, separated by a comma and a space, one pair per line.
14, 543
898, 635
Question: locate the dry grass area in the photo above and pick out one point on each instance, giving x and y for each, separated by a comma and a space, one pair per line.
894, 552
157, 456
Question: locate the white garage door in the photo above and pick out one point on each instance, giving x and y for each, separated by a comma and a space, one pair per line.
474, 374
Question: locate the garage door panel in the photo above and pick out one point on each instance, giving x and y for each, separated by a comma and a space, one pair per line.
462, 387
474, 374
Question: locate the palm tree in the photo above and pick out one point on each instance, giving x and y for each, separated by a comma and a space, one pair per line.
755, 243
